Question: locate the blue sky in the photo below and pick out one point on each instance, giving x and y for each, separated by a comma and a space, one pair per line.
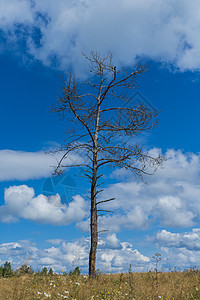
44, 219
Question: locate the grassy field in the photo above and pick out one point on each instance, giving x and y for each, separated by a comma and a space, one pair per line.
173, 285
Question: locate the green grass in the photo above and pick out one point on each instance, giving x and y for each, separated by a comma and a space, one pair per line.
172, 285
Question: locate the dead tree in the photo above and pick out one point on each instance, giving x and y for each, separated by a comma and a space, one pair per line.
104, 125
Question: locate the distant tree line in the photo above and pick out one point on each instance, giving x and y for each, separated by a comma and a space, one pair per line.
6, 270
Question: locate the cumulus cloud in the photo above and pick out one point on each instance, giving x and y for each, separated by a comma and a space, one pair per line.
15, 12
133, 219
112, 256
21, 202
188, 240
21, 165
170, 199
111, 242
55, 241
172, 211
56, 32
171, 196
179, 249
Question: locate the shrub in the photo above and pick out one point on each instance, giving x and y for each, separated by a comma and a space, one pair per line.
75, 272
24, 269
6, 270
44, 271
50, 272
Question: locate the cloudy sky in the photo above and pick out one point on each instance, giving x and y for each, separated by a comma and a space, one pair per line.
43, 219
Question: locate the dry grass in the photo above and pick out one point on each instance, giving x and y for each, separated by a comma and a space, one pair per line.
173, 285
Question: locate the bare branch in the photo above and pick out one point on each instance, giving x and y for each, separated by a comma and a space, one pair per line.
108, 200
109, 86
108, 211
139, 70
99, 191
103, 231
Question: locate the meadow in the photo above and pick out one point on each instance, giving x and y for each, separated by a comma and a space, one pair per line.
150, 285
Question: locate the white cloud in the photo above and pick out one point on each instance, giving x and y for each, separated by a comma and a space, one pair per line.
172, 194
170, 197
55, 241
21, 165
21, 202
172, 211
179, 249
163, 31
188, 240
15, 12
111, 242
133, 219
16, 248
71, 254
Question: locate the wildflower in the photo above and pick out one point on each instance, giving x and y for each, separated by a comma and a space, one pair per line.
77, 283
39, 293
67, 292
47, 295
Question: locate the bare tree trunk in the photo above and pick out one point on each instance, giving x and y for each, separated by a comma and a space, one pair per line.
93, 218
93, 225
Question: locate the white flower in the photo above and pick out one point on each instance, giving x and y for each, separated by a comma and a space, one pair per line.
47, 295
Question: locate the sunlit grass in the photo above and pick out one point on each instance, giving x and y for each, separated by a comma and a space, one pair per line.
172, 285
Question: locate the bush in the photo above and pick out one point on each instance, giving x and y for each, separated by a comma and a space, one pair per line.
1, 271
6, 270
50, 272
44, 271
24, 269
75, 272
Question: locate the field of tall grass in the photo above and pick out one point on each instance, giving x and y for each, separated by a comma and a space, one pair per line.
150, 285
